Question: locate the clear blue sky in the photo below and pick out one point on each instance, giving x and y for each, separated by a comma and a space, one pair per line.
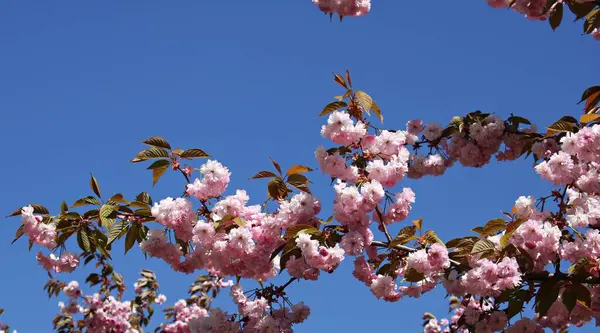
82, 83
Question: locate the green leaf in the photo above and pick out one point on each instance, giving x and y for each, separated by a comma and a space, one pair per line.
298, 169
131, 237
331, 107
86, 201
144, 197
149, 154
556, 15
365, 100
263, 174
158, 169
100, 241
157, 141
116, 231
83, 240
194, 153
94, 185
483, 245
108, 214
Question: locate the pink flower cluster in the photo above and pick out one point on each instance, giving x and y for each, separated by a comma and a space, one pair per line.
588, 247
344, 7
539, 239
341, 129
483, 141
39, 233
532, 9
213, 183
486, 278
184, 315
72, 289
66, 263
176, 214
584, 209
319, 256
335, 165
258, 316
430, 263
108, 315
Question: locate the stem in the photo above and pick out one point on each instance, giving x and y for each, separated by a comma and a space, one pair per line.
385, 231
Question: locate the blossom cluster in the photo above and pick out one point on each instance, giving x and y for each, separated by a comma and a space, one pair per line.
344, 7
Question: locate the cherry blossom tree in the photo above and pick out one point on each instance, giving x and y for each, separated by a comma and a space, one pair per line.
543, 251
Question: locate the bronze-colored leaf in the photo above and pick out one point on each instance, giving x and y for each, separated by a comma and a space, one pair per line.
365, 100
560, 126
433, 238
94, 185
340, 80
411, 275
405, 235
19, 233
298, 169
331, 107
581, 9
592, 21
149, 154
294, 230
276, 165
482, 246
591, 102
157, 141
194, 153
589, 118
491, 228
589, 92
377, 111
240, 221
348, 78
263, 174
546, 295
418, 223
277, 189
556, 15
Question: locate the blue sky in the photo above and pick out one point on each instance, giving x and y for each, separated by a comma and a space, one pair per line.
84, 82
